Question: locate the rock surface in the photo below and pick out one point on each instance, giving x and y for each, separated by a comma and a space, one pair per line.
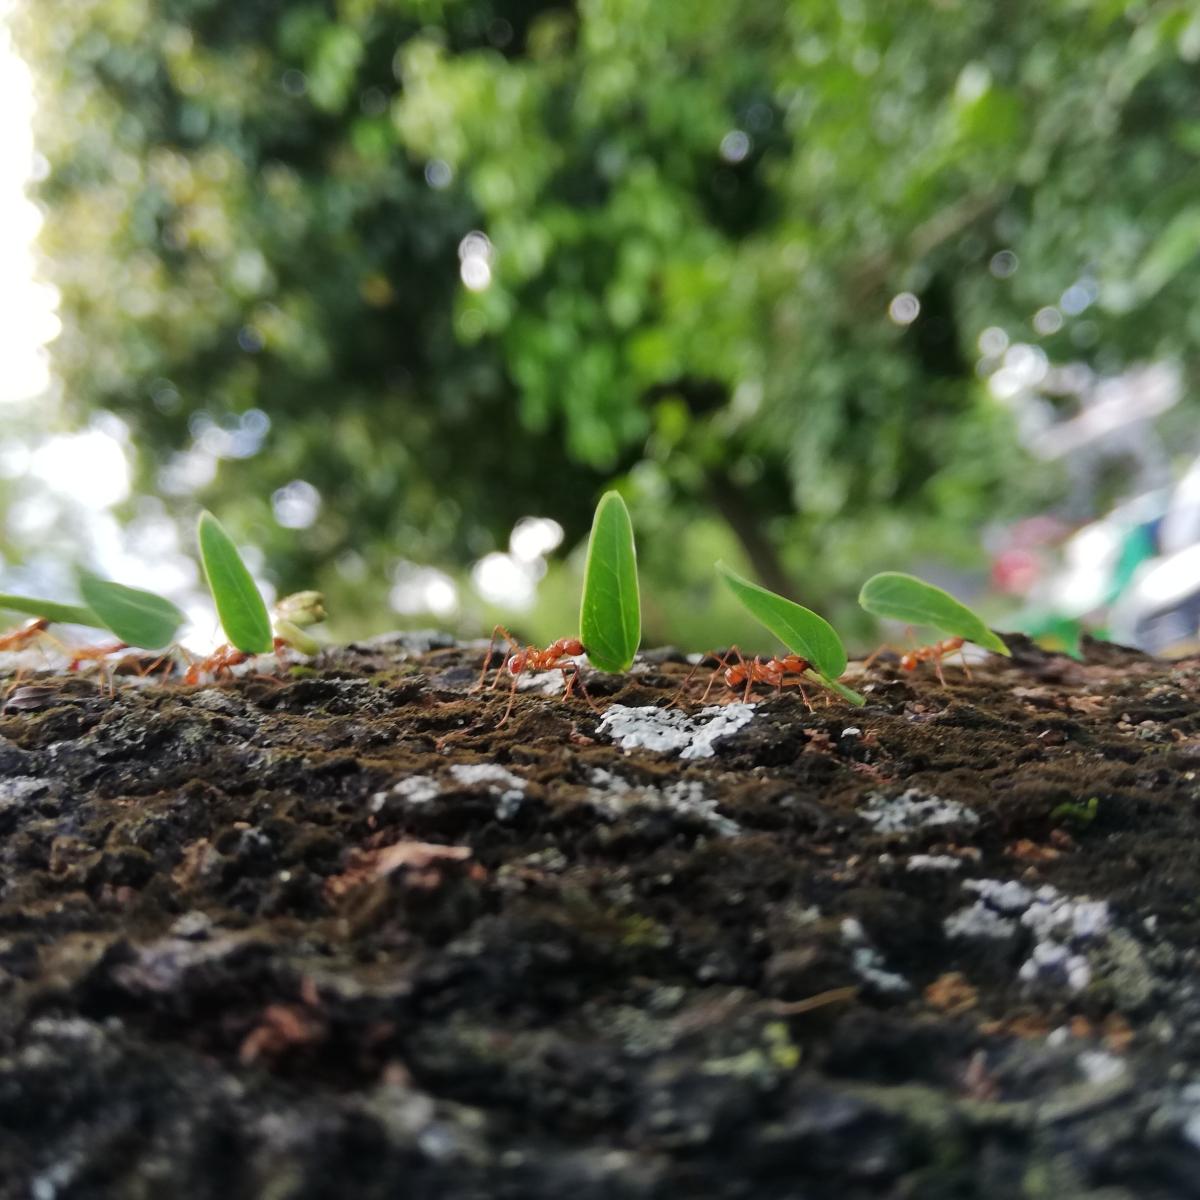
338, 935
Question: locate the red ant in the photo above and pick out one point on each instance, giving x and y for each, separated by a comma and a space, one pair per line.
779, 671
934, 653
40, 628
222, 661
93, 654
532, 659
27, 633
96, 654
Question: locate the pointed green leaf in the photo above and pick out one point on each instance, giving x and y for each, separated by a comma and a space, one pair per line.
800, 629
239, 603
610, 615
901, 597
59, 614
137, 617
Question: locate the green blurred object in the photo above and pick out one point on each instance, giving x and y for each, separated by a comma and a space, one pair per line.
451, 263
899, 597
1050, 631
610, 609
136, 616
240, 605
51, 610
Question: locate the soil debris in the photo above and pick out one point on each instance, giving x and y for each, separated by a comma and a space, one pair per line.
336, 934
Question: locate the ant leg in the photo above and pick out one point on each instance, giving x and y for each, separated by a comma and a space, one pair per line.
962, 651
733, 650
937, 666
882, 647
674, 700
487, 659
587, 695
576, 681
163, 661
194, 668
686, 680
512, 696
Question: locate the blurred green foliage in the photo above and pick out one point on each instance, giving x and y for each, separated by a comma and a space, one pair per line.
696, 216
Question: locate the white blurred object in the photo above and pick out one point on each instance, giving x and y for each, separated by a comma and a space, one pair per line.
1090, 557
1160, 611
1181, 522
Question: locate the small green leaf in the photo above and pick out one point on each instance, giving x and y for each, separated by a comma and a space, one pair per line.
137, 617
239, 603
610, 615
901, 597
59, 614
798, 628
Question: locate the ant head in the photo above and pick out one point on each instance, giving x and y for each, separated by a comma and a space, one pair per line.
735, 676
516, 664
909, 661
572, 647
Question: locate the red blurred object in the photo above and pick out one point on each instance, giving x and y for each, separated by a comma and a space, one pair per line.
1014, 572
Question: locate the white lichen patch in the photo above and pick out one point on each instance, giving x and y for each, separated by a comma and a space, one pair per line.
868, 963
1189, 1099
1052, 962
668, 730
933, 862
543, 683
1064, 928
1099, 1067
508, 788
19, 790
913, 810
979, 921
416, 789
612, 797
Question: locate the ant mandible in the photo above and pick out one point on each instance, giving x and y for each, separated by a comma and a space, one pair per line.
530, 658
934, 653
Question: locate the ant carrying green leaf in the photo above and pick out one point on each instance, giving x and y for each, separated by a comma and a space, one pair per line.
899, 597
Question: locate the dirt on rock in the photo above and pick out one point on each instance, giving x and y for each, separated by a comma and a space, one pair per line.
338, 934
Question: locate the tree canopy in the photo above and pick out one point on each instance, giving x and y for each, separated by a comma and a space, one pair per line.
449, 262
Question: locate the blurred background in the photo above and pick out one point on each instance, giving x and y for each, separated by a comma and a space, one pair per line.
398, 287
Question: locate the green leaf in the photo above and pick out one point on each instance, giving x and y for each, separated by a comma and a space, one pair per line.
901, 597
137, 617
59, 614
1172, 250
239, 603
610, 615
800, 629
